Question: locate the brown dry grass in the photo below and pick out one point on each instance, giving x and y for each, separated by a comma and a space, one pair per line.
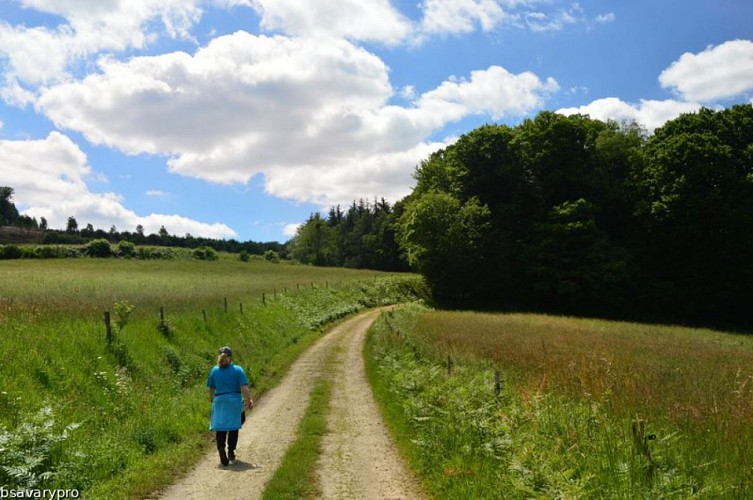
689, 376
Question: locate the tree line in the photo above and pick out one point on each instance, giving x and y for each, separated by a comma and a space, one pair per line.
569, 214
363, 236
74, 235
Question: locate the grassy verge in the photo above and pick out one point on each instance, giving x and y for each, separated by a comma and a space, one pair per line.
295, 477
561, 425
120, 419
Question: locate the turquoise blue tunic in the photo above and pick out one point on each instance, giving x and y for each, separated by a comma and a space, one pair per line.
227, 405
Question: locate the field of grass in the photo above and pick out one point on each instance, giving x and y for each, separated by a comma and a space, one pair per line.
570, 391
117, 419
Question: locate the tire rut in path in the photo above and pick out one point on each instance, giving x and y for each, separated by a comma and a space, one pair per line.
348, 466
359, 459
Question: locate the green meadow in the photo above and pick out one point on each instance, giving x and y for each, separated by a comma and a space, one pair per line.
571, 391
119, 417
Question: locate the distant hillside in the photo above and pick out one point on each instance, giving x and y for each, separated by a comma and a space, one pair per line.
17, 235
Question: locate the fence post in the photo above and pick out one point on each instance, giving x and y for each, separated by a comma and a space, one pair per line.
264, 298
449, 365
204, 312
497, 383
161, 314
640, 443
225, 304
241, 305
108, 328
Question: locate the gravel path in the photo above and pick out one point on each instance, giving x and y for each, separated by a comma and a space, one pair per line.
358, 460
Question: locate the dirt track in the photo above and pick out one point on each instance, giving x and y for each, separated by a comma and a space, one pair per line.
358, 459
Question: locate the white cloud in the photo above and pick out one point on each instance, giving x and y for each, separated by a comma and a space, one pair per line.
649, 113
556, 21
290, 230
310, 114
38, 54
373, 20
605, 18
460, 16
156, 193
48, 176
719, 72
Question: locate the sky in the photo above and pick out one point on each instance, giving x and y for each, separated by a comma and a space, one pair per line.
239, 118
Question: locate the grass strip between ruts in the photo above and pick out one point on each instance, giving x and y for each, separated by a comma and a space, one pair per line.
296, 475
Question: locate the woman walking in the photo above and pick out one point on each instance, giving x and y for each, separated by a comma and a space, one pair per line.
226, 382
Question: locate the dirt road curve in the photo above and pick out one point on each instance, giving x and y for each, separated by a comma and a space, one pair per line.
358, 461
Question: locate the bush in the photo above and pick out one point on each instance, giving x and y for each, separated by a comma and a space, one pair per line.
47, 252
99, 248
30, 455
244, 256
205, 253
126, 249
272, 256
10, 252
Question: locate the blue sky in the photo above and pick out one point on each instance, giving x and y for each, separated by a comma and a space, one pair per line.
239, 118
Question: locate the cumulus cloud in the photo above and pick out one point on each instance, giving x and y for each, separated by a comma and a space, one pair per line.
290, 230
460, 16
719, 72
49, 181
651, 114
311, 114
374, 20
39, 54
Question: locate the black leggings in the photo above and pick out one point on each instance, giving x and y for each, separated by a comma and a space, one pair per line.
230, 436
232, 439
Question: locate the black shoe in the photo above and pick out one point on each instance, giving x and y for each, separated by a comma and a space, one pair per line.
231, 455
223, 458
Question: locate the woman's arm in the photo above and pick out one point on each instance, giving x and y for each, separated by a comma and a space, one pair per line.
211, 394
247, 394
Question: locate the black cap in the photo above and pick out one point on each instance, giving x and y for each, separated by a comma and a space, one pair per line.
226, 350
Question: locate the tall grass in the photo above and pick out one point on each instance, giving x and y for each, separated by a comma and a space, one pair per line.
571, 388
139, 401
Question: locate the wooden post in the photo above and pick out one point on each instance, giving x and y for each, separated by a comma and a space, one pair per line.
241, 305
204, 312
161, 314
264, 298
225, 304
640, 444
108, 328
449, 365
497, 383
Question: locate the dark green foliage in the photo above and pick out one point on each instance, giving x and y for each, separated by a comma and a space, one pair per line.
205, 253
571, 214
8, 212
362, 238
99, 248
271, 256
244, 256
126, 249
10, 252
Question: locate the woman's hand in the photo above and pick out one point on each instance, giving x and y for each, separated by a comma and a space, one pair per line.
250, 404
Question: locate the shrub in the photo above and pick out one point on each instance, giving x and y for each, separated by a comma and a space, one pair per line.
272, 256
205, 253
10, 252
244, 256
126, 249
99, 248
30, 454
47, 252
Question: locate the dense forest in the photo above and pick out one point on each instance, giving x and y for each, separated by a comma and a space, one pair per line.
573, 215
361, 237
